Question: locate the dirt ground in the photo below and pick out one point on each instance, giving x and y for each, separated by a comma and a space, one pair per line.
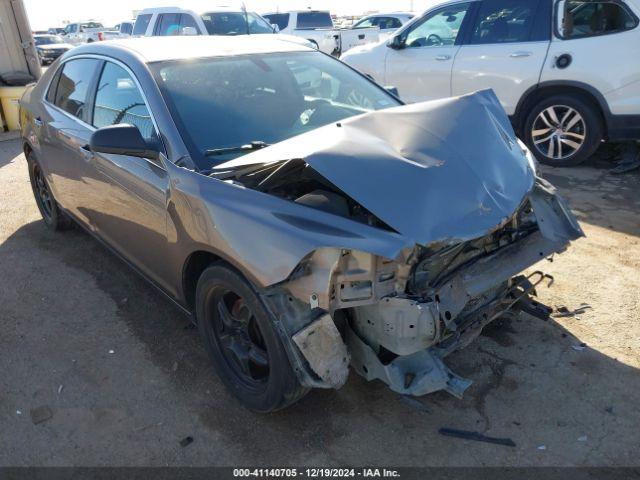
125, 377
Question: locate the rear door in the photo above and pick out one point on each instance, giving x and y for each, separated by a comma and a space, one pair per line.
505, 50
421, 68
600, 40
132, 213
65, 134
167, 24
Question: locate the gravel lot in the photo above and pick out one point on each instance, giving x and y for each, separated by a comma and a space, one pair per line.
66, 304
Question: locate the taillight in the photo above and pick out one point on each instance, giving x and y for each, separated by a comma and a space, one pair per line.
100, 37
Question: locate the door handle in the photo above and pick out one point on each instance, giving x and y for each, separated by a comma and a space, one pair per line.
86, 152
442, 58
520, 54
361, 36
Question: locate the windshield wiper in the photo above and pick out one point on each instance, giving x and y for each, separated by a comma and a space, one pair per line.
242, 148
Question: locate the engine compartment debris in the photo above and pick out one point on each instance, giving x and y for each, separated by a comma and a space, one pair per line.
412, 259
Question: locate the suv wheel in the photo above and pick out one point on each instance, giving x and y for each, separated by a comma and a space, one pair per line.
53, 216
242, 342
563, 130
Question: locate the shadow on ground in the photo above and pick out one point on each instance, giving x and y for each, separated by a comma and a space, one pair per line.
598, 196
9, 150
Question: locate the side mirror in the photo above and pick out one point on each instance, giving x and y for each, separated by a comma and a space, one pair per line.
188, 31
123, 139
276, 28
396, 42
393, 91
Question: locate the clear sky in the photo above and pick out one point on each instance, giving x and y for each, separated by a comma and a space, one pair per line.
44, 14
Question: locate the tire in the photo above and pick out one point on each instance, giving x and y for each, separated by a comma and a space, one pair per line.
242, 342
53, 216
574, 140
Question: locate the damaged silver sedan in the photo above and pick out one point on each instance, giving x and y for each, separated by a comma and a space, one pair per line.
306, 218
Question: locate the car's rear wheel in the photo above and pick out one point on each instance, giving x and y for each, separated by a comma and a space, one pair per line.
53, 216
242, 341
563, 130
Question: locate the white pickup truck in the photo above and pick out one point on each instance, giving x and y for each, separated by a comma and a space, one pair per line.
171, 21
87, 32
317, 27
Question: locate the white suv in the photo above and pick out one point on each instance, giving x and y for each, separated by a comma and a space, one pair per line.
566, 71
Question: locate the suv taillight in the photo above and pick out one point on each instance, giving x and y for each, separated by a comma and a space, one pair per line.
100, 37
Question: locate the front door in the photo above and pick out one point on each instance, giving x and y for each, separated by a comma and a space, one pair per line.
420, 67
132, 217
506, 50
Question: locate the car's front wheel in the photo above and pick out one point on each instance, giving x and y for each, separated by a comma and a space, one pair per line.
243, 344
53, 216
563, 130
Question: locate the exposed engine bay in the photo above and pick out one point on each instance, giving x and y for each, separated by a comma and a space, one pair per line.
471, 217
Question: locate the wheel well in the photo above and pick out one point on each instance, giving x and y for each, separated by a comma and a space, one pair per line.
193, 268
530, 99
26, 148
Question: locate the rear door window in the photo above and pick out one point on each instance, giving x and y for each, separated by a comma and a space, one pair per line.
279, 19
504, 21
126, 28
73, 86
387, 23
310, 20
142, 23
168, 24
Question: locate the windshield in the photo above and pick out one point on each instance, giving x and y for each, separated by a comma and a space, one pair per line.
235, 23
47, 40
224, 103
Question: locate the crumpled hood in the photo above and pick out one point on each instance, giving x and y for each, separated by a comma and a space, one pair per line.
448, 170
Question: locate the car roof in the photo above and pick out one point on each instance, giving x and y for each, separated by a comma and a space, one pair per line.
391, 14
298, 11
184, 10
156, 49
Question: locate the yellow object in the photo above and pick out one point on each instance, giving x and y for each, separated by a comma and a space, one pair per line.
9, 99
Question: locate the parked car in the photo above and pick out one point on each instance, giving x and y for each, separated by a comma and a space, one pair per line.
124, 29
387, 23
171, 21
223, 21
317, 27
557, 67
87, 32
304, 225
50, 47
